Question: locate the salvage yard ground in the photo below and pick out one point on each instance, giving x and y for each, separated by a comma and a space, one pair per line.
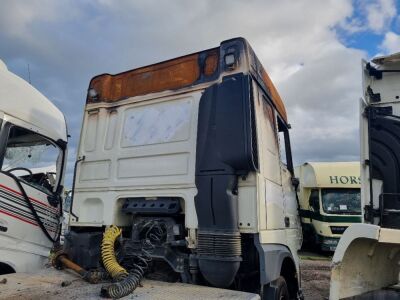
315, 276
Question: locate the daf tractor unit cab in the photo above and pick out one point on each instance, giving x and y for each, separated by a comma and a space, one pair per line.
329, 196
183, 156
33, 139
366, 263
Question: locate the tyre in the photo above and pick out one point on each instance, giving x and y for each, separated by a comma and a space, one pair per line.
282, 291
277, 291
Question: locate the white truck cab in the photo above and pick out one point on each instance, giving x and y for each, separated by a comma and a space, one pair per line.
33, 139
329, 196
191, 145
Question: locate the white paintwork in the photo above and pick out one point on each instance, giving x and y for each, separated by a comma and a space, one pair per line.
137, 150
22, 101
146, 147
3, 66
366, 259
23, 246
368, 256
23, 256
329, 174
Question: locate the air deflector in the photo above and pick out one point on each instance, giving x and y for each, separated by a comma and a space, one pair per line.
226, 149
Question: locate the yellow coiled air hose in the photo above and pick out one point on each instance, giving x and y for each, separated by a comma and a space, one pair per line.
108, 253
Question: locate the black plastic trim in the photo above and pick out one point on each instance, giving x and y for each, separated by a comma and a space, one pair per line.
384, 163
226, 149
73, 187
159, 206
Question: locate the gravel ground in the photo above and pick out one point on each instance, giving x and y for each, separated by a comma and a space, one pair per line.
315, 277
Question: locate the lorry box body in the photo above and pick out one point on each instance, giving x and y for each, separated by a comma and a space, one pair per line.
366, 263
193, 143
32, 157
329, 196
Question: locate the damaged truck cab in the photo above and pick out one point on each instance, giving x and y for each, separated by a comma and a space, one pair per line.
192, 144
33, 137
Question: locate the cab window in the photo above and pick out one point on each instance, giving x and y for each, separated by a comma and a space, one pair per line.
341, 201
284, 145
32, 158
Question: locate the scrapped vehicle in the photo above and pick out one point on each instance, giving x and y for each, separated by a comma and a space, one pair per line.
330, 201
32, 157
183, 158
366, 263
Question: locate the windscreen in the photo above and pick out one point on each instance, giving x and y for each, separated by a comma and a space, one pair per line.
32, 158
341, 201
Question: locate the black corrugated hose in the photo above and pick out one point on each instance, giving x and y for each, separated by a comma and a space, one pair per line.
136, 260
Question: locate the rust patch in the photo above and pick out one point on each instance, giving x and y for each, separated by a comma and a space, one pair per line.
173, 74
211, 63
276, 98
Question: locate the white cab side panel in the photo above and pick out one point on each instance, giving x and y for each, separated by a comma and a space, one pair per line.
271, 200
23, 245
247, 204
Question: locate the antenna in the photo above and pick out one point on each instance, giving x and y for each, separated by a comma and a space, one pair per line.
29, 75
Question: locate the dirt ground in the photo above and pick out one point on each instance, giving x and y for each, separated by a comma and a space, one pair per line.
315, 276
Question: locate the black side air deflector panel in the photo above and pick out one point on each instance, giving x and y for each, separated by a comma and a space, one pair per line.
226, 128
384, 135
226, 149
83, 248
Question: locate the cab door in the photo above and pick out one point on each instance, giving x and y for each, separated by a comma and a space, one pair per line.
31, 167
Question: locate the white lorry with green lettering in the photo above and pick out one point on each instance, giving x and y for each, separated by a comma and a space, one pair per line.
329, 197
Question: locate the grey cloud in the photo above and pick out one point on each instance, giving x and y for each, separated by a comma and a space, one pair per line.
66, 43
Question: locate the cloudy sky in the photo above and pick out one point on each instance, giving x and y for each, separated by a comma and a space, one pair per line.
311, 48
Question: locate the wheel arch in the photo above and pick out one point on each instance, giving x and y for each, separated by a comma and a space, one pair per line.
6, 268
277, 260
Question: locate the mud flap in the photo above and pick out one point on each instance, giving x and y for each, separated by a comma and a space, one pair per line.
366, 259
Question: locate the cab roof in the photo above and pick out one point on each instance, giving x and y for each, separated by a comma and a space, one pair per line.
387, 59
206, 66
21, 100
329, 174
